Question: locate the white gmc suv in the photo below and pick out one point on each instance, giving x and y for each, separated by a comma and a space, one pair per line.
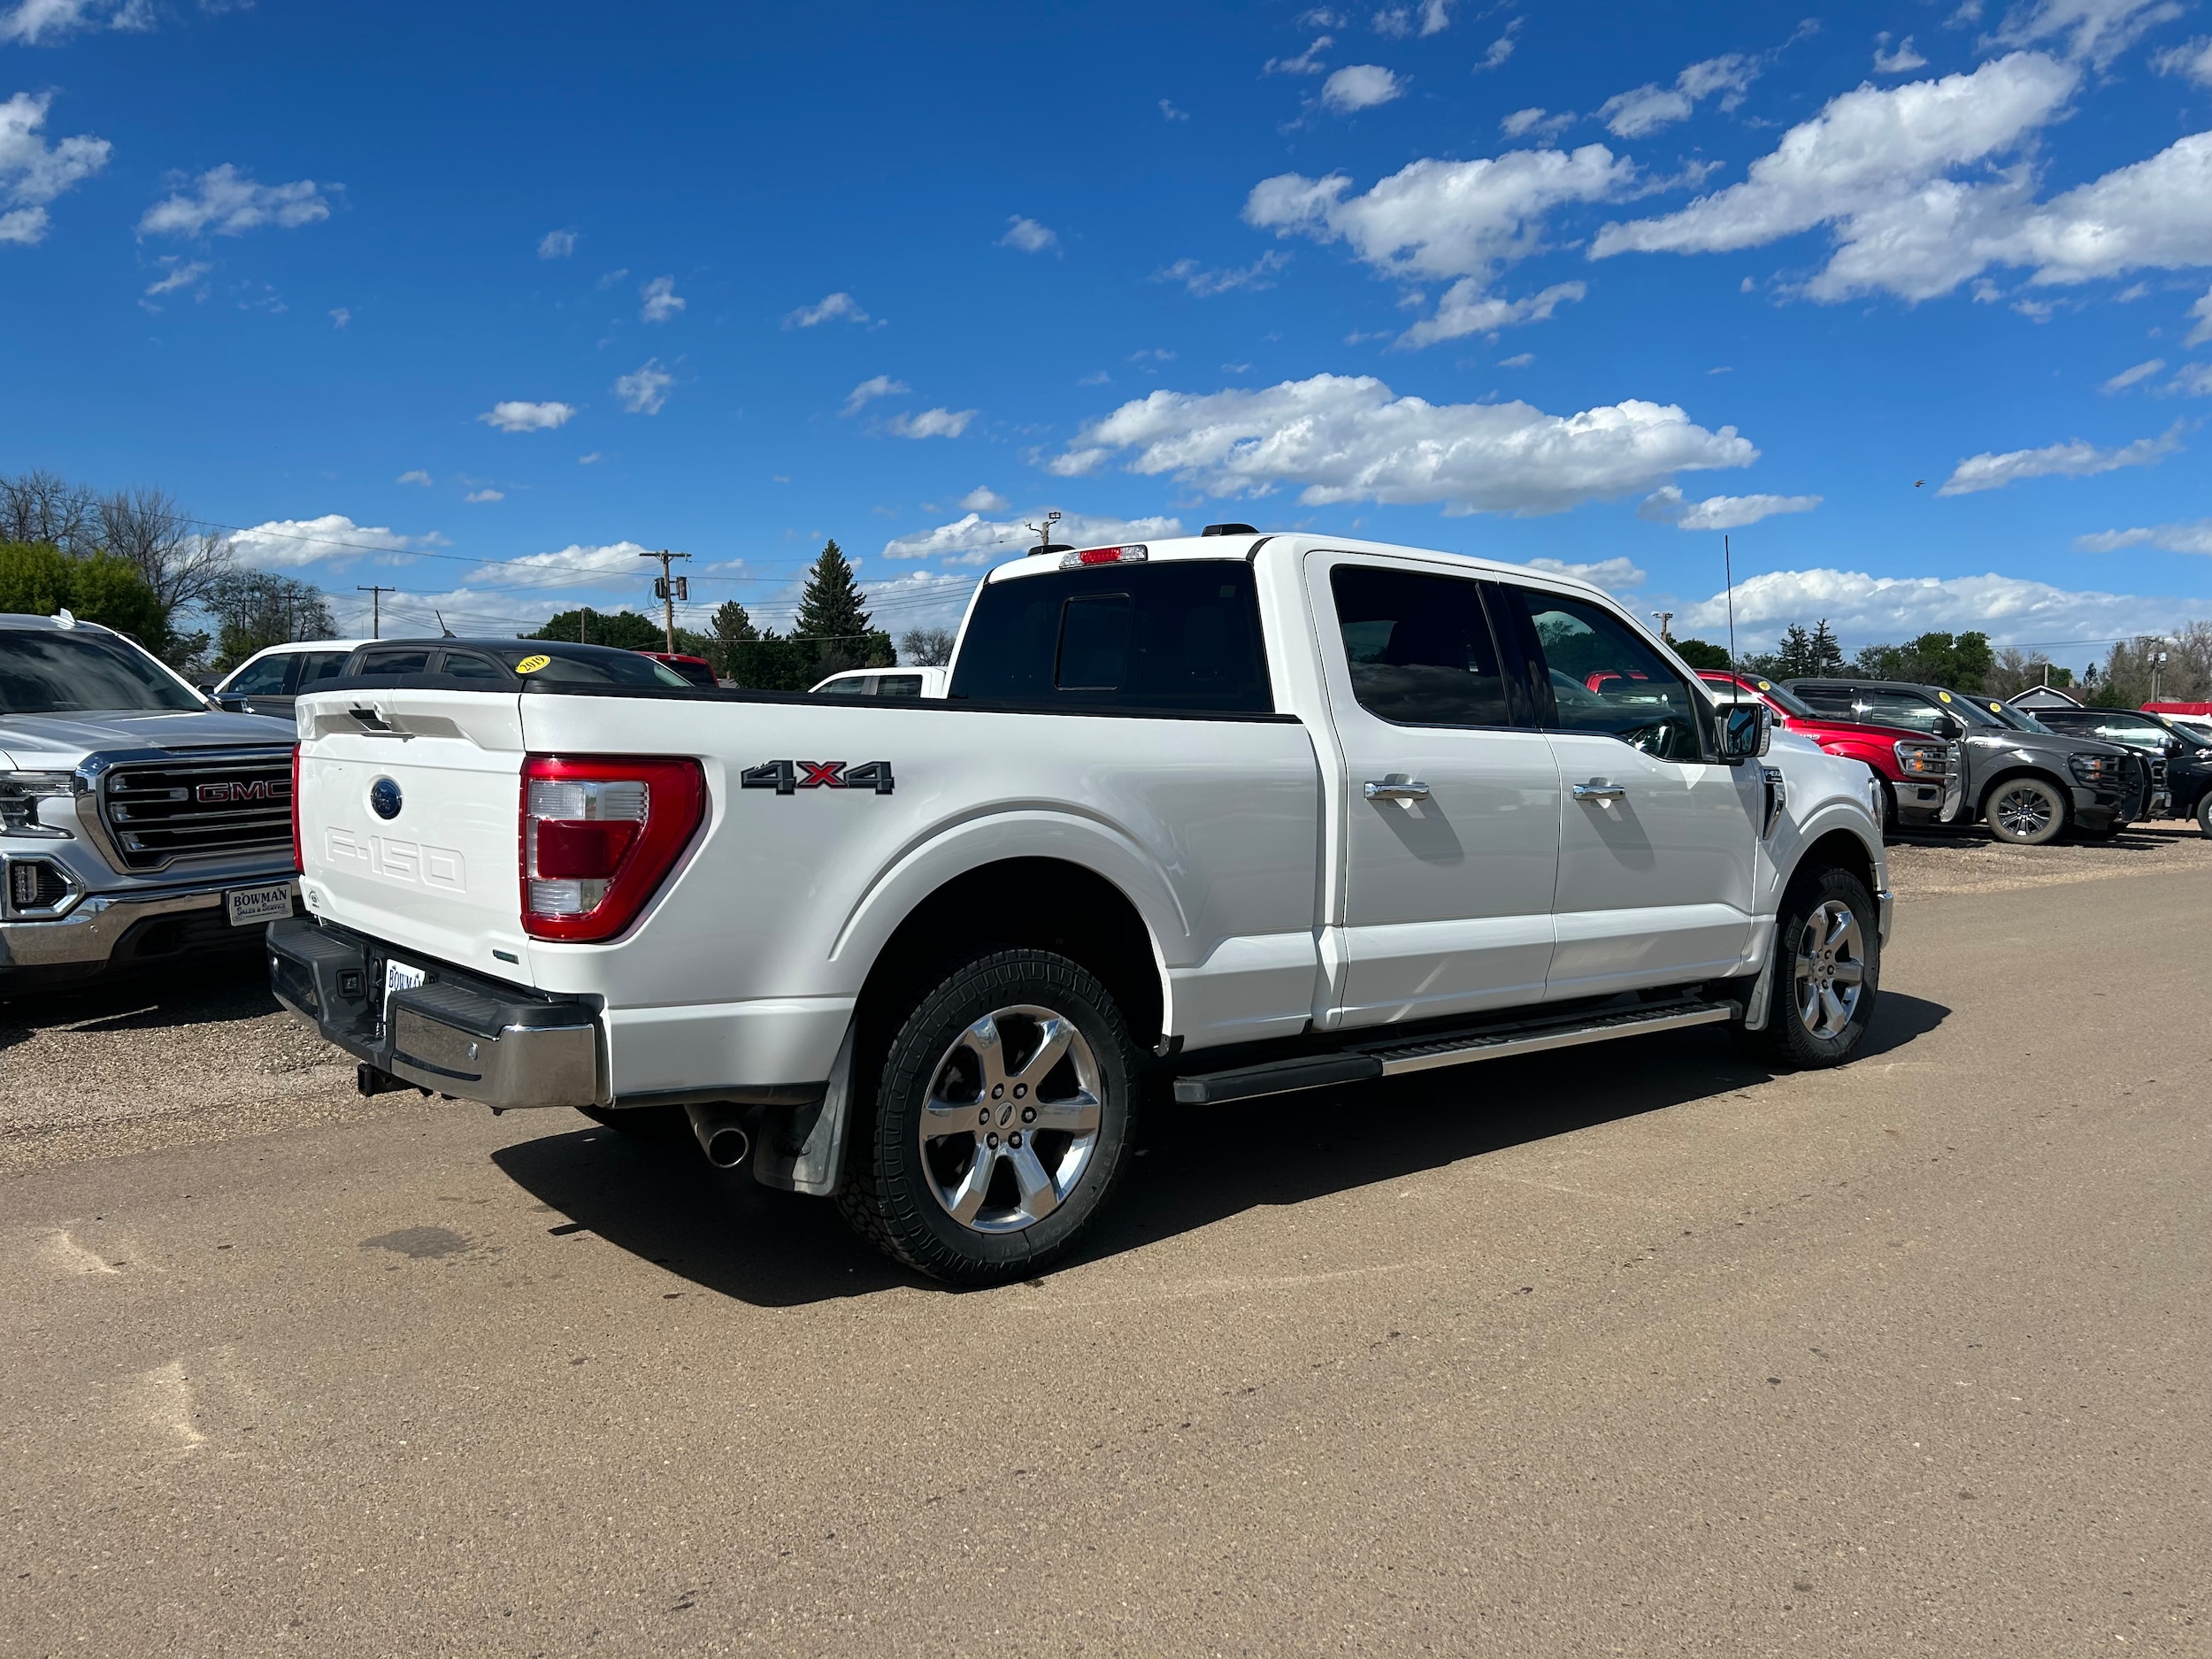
1209, 819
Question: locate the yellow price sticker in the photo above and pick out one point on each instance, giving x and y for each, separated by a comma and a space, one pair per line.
1943, 697
531, 665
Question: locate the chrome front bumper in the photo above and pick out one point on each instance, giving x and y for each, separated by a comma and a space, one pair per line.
458, 1034
85, 936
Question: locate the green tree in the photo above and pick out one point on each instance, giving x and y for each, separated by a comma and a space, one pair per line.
732, 628
1961, 662
625, 630
253, 610
833, 616
37, 580
1697, 654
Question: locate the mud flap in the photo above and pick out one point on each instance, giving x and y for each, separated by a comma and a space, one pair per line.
802, 1149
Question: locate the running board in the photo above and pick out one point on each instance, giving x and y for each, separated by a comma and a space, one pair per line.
1379, 1060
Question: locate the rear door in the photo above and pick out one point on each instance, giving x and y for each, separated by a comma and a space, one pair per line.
1658, 839
1452, 838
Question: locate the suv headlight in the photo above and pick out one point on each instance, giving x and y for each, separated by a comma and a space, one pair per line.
2095, 772
1924, 760
21, 792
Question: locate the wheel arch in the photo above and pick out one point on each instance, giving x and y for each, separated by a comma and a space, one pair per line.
1838, 848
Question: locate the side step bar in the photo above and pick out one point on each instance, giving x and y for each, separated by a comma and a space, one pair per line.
1386, 1059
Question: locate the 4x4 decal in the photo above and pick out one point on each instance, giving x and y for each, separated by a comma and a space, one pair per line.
788, 777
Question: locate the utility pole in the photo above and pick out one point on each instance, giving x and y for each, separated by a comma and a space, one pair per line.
668, 589
2158, 661
1662, 617
376, 608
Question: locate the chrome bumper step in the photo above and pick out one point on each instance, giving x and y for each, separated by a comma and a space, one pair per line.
1364, 1061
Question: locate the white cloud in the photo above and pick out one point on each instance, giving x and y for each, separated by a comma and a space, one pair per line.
1618, 575
2202, 311
1896, 60
1466, 309
556, 244
1667, 505
974, 540
617, 558
1501, 48
644, 389
486, 494
662, 301
1028, 235
593, 459
1871, 608
2076, 459
2191, 380
1204, 283
1169, 113
1521, 123
1360, 87
2099, 30
520, 417
2194, 60
1338, 438
868, 390
983, 498
1519, 360
181, 274
32, 171
931, 423
1399, 22
2194, 537
43, 22
226, 201
2126, 378
340, 316
293, 541
414, 476
1307, 63
1647, 108
829, 308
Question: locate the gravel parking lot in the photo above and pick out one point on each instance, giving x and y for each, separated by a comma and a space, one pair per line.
1654, 1352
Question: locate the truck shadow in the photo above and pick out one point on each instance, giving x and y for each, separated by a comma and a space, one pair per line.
658, 1199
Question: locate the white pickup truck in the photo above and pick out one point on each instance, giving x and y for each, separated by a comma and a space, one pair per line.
1214, 818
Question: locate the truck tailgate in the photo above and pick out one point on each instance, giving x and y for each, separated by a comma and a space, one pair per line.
409, 819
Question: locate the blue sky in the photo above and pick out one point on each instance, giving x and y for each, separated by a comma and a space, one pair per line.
1913, 301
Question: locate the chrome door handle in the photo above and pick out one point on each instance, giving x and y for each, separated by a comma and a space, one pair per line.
1599, 792
1405, 790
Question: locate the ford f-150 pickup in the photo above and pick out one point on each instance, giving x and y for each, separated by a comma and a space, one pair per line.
1211, 820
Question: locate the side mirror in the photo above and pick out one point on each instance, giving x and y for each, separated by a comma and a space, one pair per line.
1951, 728
229, 702
1745, 732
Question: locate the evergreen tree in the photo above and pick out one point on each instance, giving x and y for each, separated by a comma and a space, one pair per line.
830, 607
734, 629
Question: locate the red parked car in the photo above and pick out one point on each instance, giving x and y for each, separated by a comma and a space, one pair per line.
1922, 772
697, 669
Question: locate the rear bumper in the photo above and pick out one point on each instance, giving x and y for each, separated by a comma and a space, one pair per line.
101, 930
458, 1034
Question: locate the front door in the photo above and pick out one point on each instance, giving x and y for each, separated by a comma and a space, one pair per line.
1451, 840
1658, 840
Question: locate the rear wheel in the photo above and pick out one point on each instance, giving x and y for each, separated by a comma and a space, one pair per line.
1002, 1119
2026, 811
2204, 814
1825, 974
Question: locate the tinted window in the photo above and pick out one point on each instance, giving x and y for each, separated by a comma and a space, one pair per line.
1184, 634
853, 686
697, 673
413, 662
1605, 677
62, 673
609, 668
899, 686
474, 666
2142, 733
264, 679
318, 665
1418, 647
1781, 696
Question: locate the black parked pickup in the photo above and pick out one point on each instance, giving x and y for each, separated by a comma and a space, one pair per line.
2185, 754
2027, 782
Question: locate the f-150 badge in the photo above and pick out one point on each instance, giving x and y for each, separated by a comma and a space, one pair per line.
788, 777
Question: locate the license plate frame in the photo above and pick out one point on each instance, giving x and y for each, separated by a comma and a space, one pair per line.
256, 907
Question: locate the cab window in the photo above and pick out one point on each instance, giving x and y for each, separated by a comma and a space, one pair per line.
414, 662
1604, 677
855, 685
264, 679
1417, 647
316, 666
899, 686
474, 666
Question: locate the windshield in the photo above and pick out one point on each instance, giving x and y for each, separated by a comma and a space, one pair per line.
1781, 696
64, 672
2019, 719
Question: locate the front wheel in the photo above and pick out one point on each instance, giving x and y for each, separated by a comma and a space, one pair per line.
1002, 1119
2026, 811
1827, 972
2204, 814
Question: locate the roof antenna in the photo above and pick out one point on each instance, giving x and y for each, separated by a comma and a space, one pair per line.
444, 633
1728, 575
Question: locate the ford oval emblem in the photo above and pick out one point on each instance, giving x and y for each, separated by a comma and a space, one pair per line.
384, 798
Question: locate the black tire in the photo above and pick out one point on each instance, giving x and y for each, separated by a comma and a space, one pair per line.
2204, 814
903, 1186
2026, 811
1889, 806
1791, 1038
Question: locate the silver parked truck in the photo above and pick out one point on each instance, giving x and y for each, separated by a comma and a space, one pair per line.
139, 825
1199, 821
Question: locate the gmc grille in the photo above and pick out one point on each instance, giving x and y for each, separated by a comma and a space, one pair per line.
157, 810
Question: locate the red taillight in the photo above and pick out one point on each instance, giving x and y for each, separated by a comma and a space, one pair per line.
599, 836
299, 865
1135, 553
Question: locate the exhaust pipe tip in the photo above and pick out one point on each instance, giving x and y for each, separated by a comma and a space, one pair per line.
720, 1131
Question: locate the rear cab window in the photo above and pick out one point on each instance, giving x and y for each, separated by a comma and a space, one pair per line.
1180, 635
1418, 647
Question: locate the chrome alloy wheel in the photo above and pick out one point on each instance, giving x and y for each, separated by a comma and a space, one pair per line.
2022, 814
1830, 969
1011, 1119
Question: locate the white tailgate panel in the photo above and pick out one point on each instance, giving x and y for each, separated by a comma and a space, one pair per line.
440, 875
